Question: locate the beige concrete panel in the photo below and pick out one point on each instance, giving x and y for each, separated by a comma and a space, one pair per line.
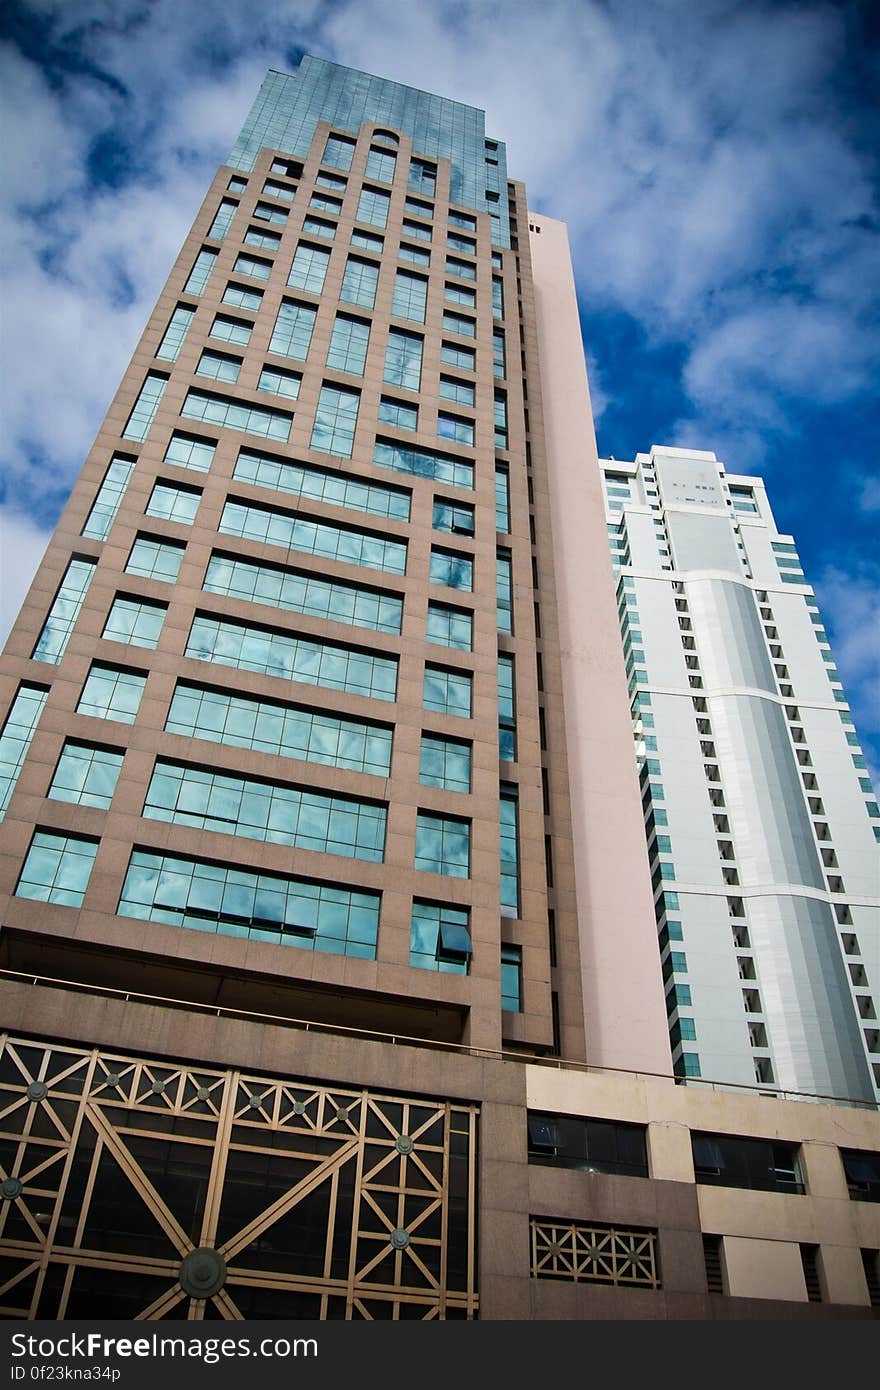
763, 1269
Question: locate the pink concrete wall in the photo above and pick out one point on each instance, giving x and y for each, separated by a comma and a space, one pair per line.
622, 987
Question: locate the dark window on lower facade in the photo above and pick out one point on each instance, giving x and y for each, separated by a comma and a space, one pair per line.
728, 1161
592, 1146
862, 1170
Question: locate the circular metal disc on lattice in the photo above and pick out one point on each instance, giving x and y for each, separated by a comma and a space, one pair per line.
403, 1144
10, 1189
37, 1090
400, 1238
202, 1272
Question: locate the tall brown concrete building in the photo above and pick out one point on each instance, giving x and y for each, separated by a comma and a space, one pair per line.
329, 959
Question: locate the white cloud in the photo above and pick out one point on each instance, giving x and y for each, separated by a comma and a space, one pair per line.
22, 545
850, 605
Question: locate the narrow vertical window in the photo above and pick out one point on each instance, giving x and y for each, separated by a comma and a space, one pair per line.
335, 421
509, 819
498, 356
109, 498
201, 271
144, 410
511, 979
506, 708
403, 359
15, 739
505, 591
502, 500
223, 219
348, 345
64, 612
178, 327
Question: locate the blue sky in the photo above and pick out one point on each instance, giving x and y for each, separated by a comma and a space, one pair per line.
716, 161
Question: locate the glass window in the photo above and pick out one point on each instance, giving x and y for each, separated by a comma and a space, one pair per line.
373, 207
451, 568
506, 708
403, 359
458, 323
292, 334
502, 500
52, 641
453, 516
323, 202
367, 241
447, 692
440, 938
112, 693
263, 238
309, 268
272, 653
509, 824
425, 463
57, 869
497, 297
190, 451
174, 503
449, 627
279, 382
415, 254
500, 420
86, 775
410, 296
242, 298
144, 409
381, 166
236, 184
109, 498
298, 592
154, 559
422, 177
271, 727
15, 740
137, 622
446, 763
274, 527
443, 845
458, 356
316, 227
259, 907
498, 356
417, 230
511, 979
232, 330
335, 421
464, 269
325, 180
307, 480
504, 591
417, 209
460, 294
399, 413
267, 212
862, 1169
253, 265
172, 338
359, 282
338, 152
269, 811
462, 219
592, 1146
456, 242
763, 1164
273, 189
452, 389
348, 345
454, 427
219, 367
201, 271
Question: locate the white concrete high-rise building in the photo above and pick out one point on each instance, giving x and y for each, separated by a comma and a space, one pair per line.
761, 821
